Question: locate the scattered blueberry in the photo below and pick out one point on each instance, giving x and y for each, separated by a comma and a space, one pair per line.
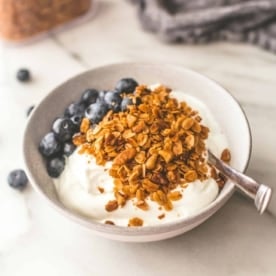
55, 166
89, 96
29, 110
49, 146
63, 129
17, 179
68, 148
96, 111
74, 109
23, 75
126, 85
113, 100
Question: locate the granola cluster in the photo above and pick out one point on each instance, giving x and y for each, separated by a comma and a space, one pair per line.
154, 147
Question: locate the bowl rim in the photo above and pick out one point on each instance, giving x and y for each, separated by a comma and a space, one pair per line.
202, 215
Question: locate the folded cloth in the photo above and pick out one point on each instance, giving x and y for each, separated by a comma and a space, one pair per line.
201, 21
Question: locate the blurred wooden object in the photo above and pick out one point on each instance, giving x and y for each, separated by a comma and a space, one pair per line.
22, 19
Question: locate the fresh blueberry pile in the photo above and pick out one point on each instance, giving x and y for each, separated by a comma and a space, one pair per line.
93, 105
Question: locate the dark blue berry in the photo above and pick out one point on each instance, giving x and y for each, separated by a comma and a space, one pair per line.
23, 75
76, 119
68, 148
101, 96
125, 103
74, 109
63, 129
126, 85
113, 100
96, 111
49, 145
89, 96
55, 166
29, 110
137, 100
17, 179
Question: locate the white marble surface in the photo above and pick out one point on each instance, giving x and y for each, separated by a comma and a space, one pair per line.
35, 240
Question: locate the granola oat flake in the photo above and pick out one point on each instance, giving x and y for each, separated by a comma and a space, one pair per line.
154, 153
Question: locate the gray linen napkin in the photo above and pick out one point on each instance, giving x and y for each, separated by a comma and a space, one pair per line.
201, 21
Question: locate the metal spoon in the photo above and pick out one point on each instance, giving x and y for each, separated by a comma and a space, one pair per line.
259, 192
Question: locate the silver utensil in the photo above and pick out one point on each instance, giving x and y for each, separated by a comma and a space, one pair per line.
259, 192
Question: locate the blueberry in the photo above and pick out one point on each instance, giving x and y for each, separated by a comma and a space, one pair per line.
68, 148
126, 85
49, 145
29, 110
17, 179
74, 109
76, 119
55, 166
113, 100
89, 96
138, 100
63, 129
23, 75
125, 103
96, 111
101, 96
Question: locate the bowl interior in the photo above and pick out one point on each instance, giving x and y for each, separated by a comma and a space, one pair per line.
222, 105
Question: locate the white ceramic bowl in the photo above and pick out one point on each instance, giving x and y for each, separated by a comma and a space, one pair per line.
224, 107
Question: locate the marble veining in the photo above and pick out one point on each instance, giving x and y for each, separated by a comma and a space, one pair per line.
36, 240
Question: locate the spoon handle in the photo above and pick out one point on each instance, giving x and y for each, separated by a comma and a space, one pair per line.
259, 192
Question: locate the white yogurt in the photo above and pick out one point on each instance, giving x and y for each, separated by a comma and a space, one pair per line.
78, 185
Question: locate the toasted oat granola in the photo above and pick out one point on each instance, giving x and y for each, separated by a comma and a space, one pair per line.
135, 222
154, 147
